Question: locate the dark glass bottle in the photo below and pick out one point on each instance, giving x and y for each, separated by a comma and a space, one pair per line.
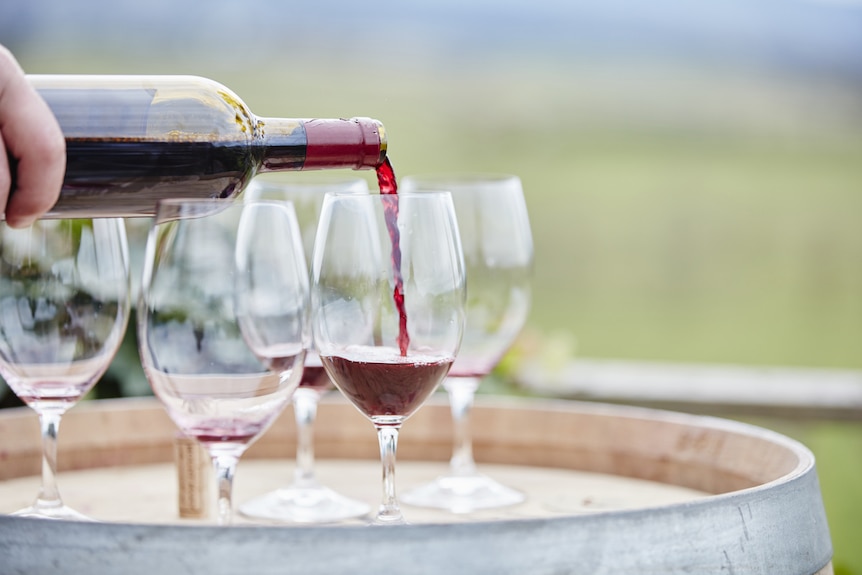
132, 140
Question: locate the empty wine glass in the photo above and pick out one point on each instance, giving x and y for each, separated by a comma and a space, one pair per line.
222, 322
387, 308
498, 254
63, 312
305, 500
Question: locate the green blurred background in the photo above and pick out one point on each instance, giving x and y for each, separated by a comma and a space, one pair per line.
693, 173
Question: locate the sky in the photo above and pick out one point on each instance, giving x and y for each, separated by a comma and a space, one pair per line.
809, 36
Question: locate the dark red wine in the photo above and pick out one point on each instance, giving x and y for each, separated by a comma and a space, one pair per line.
386, 178
475, 367
315, 377
380, 381
389, 187
228, 431
134, 174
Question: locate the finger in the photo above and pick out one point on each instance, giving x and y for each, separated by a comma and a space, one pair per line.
35, 142
5, 176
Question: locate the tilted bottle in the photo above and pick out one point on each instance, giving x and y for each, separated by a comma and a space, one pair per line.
132, 140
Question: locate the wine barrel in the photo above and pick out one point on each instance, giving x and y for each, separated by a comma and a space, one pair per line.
610, 490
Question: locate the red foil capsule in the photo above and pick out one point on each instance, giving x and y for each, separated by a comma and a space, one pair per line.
355, 142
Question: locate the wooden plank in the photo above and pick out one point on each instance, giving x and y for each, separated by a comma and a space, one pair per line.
703, 388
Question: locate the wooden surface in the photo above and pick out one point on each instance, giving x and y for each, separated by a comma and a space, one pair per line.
673, 449
794, 393
149, 493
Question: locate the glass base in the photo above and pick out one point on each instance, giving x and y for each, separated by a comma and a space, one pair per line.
463, 494
52, 512
314, 504
388, 517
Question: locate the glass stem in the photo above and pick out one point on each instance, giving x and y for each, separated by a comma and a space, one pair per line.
389, 513
462, 391
305, 412
225, 468
49, 495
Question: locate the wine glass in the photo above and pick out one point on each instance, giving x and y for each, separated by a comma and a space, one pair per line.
305, 500
63, 312
223, 322
498, 254
387, 308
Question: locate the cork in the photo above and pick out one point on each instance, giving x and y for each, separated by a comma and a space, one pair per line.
193, 474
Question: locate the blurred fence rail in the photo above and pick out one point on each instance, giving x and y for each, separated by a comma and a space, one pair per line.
793, 393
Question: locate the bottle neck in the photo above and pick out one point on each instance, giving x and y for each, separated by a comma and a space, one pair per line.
316, 144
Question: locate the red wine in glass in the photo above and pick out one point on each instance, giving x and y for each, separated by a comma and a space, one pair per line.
226, 432
313, 374
380, 381
361, 338
315, 378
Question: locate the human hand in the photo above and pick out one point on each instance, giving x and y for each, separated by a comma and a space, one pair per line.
32, 148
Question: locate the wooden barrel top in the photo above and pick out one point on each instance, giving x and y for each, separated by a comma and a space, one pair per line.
610, 489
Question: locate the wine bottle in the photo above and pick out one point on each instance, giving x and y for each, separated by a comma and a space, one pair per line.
132, 140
